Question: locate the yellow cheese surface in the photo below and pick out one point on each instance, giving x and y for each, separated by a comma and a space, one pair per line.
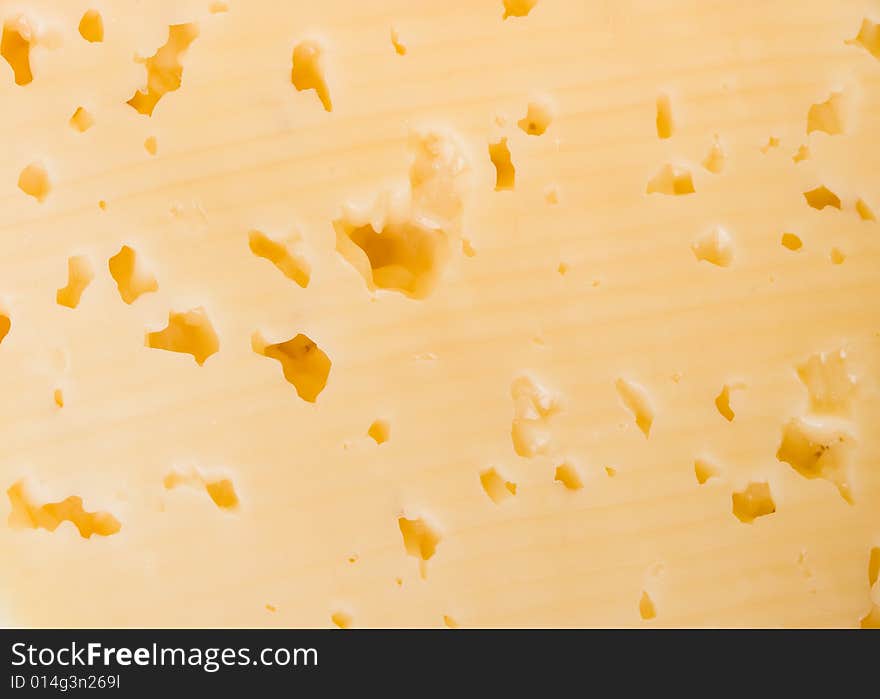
473, 313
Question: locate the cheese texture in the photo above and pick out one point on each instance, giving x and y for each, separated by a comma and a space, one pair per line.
474, 313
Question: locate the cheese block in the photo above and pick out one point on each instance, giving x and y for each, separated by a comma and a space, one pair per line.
507, 313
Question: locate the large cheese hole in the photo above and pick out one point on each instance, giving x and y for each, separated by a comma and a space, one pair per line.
91, 27
505, 173
818, 449
518, 8
188, 332
49, 516
722, 403
131, 278
34, 181
404, 257
864, 211
635, 398
164, 69
868, 37
704, 470
647, 609
714, 160
291, 264
82, 120
820, 197
827, 116
304, 364
714, 247
754, 501
537, 119
671, 180
496, 486
664, 121
307, 72
79, 275
380, 431
15, 47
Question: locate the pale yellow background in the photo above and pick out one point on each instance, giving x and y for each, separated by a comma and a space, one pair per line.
239, 148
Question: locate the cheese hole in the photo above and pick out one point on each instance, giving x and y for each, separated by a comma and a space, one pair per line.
715, 159
307, 72
533, 406
34, 181
865, 212
343, 620
610, 471
399, 46
772, 143
223, 493
714, 247
868, 37
837, 256
816, 449
150, 145
58, 397
132, 279
874, 566
537, 119
722, 403
467, 248
827, 116
754, 501
221, 490
26, 514
404, 257
496, 487
518, 8
635, 399
791, 242
79, 275
217, 7
81, 120
303, 363
704, 470
187, 332
5, 325
872, 619
91, 27
380, 431
671, 180
663, 120
450, 622
505, 173
567, 475
15, 47
647, 610
420, 540
164, 69
292, 265
803, 153
820, 197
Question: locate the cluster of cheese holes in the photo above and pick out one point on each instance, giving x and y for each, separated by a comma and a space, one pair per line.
754, 501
